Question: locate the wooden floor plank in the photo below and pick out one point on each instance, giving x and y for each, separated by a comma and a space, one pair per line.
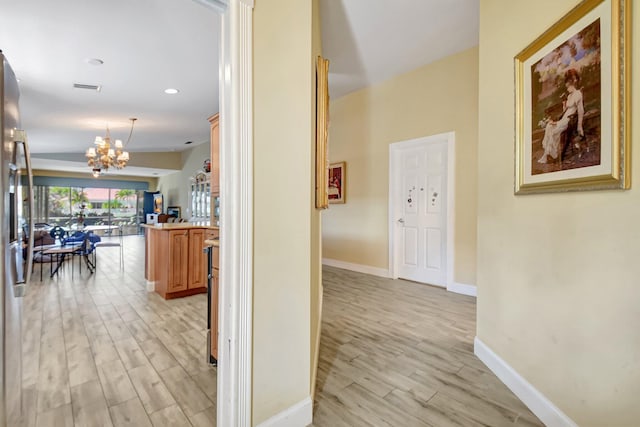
394, 352
391, 353
92, 355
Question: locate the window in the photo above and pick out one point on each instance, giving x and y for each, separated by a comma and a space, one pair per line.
59, 205
75, 207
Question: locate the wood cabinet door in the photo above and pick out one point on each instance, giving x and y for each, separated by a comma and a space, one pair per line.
214, 312
197, 259
178, 260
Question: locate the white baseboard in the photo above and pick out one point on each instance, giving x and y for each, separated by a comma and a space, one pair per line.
542, 407
316, 355
298, 415
151, 286
461, 288
360, 268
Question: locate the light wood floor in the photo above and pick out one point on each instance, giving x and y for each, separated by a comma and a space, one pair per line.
397, 353
99, 350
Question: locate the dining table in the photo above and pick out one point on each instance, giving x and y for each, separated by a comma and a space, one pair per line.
101, 228
60, 252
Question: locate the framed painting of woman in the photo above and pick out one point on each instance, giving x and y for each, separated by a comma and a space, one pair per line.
337, 182
572, 102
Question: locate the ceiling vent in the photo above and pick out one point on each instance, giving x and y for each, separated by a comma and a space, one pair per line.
89, 87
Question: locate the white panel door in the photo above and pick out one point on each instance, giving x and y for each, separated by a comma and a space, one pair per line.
421, 207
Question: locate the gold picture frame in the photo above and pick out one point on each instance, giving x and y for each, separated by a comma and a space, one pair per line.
337, 182
572, 98
322, 122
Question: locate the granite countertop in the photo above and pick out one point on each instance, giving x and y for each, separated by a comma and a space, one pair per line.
179, 226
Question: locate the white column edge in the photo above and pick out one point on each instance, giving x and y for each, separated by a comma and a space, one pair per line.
236, 216
244, 95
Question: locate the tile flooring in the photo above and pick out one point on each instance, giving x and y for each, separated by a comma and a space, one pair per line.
398, 353
99, 350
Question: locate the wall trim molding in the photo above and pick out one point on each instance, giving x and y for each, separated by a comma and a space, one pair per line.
542, 407
219, 6
462, 288
360, 268
316, 355
300, 414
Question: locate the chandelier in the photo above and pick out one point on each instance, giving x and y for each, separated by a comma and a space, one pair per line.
102, 157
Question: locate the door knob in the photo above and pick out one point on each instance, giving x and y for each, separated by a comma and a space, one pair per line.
401, 220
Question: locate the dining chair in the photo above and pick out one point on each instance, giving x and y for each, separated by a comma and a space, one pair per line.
112, 244
40, 258
59, 234
41, 240
85, 250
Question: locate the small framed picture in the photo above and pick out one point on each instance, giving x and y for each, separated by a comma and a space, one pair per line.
337, 182
174, 211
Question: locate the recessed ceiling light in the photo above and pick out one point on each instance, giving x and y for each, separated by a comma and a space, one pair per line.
95, 61
188, 142
171, 91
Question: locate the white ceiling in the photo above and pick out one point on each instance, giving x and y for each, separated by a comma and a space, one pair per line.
146, 45
369, 41
150, 45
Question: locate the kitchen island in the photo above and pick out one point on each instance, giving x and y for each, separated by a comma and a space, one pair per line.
175, 263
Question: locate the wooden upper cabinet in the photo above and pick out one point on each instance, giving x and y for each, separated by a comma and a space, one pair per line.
197, 259
215, 153
178, 272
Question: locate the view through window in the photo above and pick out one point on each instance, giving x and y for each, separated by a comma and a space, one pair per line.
76, 207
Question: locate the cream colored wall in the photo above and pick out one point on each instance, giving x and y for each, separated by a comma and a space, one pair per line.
159, 160
283, 129
437, 98
558, 294
316, 220
175, 186
152, 160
